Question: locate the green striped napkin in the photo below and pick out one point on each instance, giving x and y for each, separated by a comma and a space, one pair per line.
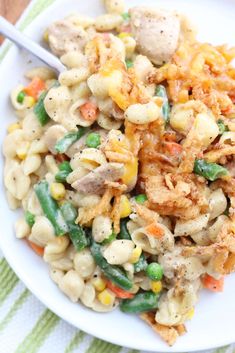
26, 326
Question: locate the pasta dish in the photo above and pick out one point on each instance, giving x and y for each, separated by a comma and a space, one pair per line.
124, 164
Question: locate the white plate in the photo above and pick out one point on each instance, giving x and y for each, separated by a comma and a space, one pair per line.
213, 323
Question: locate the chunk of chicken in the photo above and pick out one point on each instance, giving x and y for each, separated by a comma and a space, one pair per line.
64, 36
94, 182
156, 33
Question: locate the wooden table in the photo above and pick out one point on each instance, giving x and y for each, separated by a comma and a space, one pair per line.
12, 9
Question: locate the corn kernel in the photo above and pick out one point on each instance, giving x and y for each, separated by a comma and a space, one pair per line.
106, 297
46, 36
29, 102
190, 314
124, 35
125, 207
135, 255
156, 286
13, 127
99, 284
130, 171
57, 191
22, 150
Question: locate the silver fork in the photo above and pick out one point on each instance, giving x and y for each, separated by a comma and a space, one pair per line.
21, 40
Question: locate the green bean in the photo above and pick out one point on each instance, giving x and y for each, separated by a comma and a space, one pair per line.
50, 208
109, 239
161, 92
124, 233
222, 126
76, 233
63, 144
114, 273
40, 111
210, 171
141, 265
141, 302
64, 170
30, 218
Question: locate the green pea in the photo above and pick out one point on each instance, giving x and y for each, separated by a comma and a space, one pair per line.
154, 271
93, 140
30, 218
129, 63
20, 97
141, 198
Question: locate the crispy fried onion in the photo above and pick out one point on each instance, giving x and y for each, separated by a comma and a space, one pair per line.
182, 196
168, 333
221, 254
86, 215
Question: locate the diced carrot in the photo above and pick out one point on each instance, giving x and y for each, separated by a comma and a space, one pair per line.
119, 292
89, 111
169, 136
61, 157
155, 230
215, 285
173, 148
37, 249
35, 87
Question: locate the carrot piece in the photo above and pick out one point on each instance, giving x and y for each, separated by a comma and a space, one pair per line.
37, 249
35, 87
173, 148
119, 292
215, 285
155, 230
89, 111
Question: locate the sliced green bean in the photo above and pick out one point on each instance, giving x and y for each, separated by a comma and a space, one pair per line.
109, 239
161, 92
30, 218
141, 302
124, 233
114, 273
64, 170
222, 127
50, 208
76, 233
63, 144
40, 111
210, 171
141, 265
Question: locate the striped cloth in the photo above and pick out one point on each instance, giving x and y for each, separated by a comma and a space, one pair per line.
26, 326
